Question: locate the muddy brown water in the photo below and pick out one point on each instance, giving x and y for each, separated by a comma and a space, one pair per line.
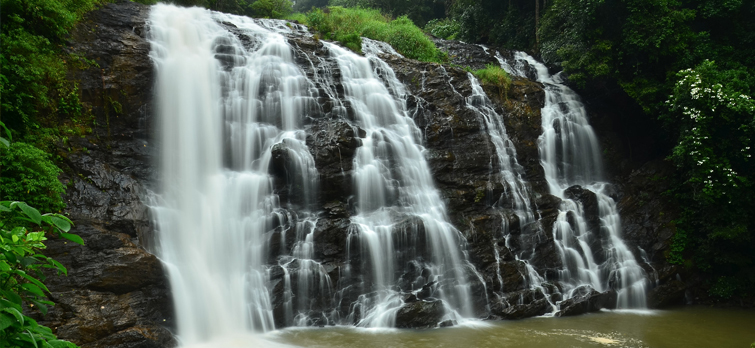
688, 327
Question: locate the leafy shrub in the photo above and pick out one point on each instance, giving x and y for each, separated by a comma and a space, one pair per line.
21, 277
445, 28
348, 25
272, 8
28, 174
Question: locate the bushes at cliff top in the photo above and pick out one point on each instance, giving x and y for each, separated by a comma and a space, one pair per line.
348, 25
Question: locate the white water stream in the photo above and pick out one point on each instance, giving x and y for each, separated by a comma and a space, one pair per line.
222, 108
401, 220
570, 155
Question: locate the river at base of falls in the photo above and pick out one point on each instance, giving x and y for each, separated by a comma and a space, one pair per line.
687, 327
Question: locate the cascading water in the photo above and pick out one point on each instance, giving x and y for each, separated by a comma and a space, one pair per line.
238, 181
400, 231
516, 197
223, 109
592, 252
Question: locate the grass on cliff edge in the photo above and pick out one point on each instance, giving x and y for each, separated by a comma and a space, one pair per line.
494, 75
348, 25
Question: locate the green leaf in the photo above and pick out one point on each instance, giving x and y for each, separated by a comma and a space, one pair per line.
32, 213
4, 142
58, 266
62, 224
33, 280
61, 344
33, 289
5, 321
12, 299
72, 237
16, 313
4, 266
33, 339
42, 307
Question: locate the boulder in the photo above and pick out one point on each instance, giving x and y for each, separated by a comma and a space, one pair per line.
668, 294
420, 314
585, 299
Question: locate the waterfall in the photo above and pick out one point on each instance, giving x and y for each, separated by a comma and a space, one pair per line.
223, 109
592, 252
516, 196
236, 211
400, 230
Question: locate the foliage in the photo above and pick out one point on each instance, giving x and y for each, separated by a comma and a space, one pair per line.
28, 174
445, 28
509, 24
348, 25
306, 5
419, 11
716, 117
272, 8
21, 278
33, 73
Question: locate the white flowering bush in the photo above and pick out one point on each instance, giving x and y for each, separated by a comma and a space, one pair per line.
715, 116
717, 123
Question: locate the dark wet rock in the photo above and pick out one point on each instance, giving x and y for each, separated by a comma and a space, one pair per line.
447, 323
525, 303
589, 202
648, 213
115, 294
420, 314
669, 294
586, 299
466, 55
333, 143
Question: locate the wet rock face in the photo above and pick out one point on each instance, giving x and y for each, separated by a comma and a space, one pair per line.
116, 293
589, 203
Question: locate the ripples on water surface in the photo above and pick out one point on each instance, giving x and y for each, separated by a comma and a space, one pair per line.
695, 327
